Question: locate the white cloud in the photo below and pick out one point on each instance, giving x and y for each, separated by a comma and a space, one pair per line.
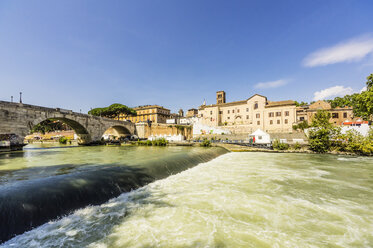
271, 84
348, 51
332, 92
363, 89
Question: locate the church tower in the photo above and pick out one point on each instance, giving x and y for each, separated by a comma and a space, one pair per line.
220, 97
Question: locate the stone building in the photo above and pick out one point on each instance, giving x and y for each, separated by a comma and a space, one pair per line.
153, 113
249, 115
163, 130
338, 115
192, 113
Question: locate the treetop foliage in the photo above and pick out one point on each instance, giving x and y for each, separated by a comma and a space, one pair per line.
321, 119
299, 104
113, 111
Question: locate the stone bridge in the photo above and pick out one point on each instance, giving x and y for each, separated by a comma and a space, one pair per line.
19, 119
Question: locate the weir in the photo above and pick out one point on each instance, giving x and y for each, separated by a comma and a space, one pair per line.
27, 204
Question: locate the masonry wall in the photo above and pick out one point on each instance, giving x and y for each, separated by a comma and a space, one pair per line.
144, 131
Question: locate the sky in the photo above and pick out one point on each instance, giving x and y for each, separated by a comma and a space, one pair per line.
79, 55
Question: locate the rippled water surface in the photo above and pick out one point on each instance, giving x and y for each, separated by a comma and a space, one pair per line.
44, 160
235, 200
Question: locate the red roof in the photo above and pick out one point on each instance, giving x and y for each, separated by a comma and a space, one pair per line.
355, 122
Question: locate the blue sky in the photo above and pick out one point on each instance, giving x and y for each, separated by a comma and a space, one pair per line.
83, 54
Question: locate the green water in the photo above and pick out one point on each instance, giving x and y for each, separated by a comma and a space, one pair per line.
235, 200
44, 160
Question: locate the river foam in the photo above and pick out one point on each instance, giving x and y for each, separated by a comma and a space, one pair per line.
26, 204
235, 200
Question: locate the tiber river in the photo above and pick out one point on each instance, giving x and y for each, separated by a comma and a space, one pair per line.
183, 197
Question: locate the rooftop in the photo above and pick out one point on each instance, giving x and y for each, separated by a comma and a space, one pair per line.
279, 103
149, 107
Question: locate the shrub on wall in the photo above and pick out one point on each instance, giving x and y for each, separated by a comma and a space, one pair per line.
277, 145
205, 143
62, 140
157, 142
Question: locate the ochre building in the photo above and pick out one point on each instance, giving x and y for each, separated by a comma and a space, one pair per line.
338, 115
248, 115
192, 113
153, 113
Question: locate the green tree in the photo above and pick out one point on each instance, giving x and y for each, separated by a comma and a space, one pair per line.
113, 111
322, 133
353, 141
370, 82
298, 104
347, 100
303, 125
363, 106
97, 111
321, 119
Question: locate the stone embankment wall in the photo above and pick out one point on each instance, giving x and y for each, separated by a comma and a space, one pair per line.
289, 137
144, 131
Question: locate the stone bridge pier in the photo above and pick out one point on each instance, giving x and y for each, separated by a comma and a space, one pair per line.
19, 119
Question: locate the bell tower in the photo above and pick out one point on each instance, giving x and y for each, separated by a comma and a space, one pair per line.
220, 97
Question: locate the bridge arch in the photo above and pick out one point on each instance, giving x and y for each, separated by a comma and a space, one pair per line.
117, 131
83, 135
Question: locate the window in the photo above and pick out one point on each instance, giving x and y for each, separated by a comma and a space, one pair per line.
259, 137
228, 111
258, 115
271, 122
247, 117
220, 112
344, 115
271, 114
210, 112
278, 121
335, 115
211, 119
233, 111
256, 105
201, 115
278, 113
301, 118
229, 117
286, 121
247, 109
286, 113
258, 122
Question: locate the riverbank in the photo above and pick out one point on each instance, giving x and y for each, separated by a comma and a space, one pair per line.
238, 148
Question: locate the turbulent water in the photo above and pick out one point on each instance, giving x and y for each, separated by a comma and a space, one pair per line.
33, 193
235, 200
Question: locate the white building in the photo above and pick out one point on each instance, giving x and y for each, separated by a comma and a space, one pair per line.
199, 128
359, 126
260, 137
